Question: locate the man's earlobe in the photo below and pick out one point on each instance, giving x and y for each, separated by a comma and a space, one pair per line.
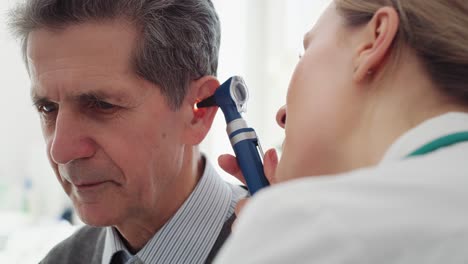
376, 45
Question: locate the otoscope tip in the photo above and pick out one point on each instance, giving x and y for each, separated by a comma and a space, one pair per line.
208, 102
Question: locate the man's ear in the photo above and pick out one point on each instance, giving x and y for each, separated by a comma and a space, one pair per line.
199, 120
376, 42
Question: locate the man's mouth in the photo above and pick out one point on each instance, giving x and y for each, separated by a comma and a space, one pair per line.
89, 185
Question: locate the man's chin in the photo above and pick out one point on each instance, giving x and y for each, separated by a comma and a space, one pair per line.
96, 215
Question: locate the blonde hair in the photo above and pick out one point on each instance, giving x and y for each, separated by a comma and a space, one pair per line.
437, 30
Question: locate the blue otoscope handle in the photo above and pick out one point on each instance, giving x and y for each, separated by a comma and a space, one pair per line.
249, 160
231, 97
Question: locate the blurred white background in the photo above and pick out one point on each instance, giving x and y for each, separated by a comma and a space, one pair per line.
261, 41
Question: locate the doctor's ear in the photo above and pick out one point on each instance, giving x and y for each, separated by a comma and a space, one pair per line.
199, 120
375, 44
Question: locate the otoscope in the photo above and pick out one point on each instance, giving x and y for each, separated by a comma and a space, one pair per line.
231, 97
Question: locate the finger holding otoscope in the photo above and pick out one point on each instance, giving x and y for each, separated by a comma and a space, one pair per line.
232, 97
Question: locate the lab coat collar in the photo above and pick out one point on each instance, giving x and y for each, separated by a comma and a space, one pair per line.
424, 133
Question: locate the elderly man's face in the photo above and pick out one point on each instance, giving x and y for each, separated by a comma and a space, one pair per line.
114, 144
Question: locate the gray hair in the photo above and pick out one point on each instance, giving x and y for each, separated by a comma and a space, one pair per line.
179, 38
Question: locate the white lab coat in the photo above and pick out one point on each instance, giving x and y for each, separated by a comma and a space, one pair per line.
404, 211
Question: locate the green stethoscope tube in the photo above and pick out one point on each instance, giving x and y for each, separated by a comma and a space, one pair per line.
439, 143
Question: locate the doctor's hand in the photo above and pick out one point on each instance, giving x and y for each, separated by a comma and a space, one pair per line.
229, 164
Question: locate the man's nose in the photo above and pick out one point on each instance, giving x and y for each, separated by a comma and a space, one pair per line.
70, 140
281, 116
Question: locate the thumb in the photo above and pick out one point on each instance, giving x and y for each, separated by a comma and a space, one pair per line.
270, 162
229, 164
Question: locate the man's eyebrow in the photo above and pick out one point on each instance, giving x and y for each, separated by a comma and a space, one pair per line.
90, 96
84, 97
38, 100
101, 95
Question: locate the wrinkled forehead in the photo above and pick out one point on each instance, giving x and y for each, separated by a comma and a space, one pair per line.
108, 42
84, 59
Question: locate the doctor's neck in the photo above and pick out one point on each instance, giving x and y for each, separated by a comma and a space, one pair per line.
396, 103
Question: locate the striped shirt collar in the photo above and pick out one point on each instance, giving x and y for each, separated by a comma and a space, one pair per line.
191, 233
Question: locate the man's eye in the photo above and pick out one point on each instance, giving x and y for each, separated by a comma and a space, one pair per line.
104, 105
47, 108
98, 105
